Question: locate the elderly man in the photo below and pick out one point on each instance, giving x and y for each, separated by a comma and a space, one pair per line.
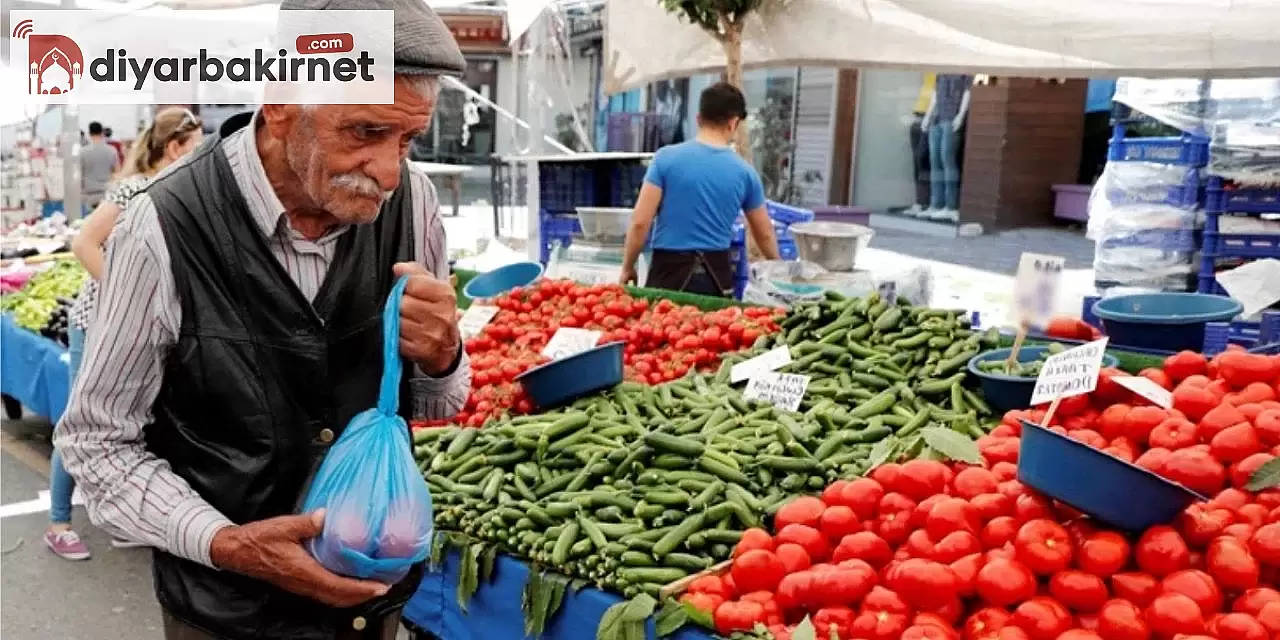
239, 330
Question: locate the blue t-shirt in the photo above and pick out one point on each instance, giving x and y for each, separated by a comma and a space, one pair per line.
704, 190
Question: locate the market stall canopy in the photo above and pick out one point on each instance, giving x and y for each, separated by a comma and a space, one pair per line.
1080, 38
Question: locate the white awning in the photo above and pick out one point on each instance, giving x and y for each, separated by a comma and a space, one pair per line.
1050, 38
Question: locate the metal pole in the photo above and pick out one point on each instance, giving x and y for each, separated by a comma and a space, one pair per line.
69, 150
457, 84
537, 106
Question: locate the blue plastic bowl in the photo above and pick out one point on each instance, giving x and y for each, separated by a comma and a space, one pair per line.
567, 379
1098, 484
501, 280
1166, 321
1006, 393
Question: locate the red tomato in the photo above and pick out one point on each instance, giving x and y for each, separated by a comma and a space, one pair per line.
1161, 551
1197, 585
838, 521
752, 539
1174, 613
1078, 590
1138, 588
1103, 554
865, 546
1044, 546
757, 570
1004, 582
1231, 564
793, 556
1122, 620
1042, 618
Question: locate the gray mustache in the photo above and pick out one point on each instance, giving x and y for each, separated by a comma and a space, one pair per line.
361, 184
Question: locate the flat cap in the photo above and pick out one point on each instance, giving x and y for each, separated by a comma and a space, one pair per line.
423, 44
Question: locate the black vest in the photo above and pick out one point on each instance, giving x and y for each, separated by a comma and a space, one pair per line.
258, 372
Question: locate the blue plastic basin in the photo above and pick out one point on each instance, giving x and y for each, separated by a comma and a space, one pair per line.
1005, 392
567, 379
1167, 321
1098, 484
501, 280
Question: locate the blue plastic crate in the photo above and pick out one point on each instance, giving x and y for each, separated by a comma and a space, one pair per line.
787, 249
1163, 239
626, 183
1219, 199
1183, 196
557, 229
1217, 335
1246, 246
788, 214
1186, 150
564, 186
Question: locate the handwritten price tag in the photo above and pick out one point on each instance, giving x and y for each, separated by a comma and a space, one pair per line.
570, 341
1070, 373
782, 390
1144, 387
474, 320
1036, 289
770, 360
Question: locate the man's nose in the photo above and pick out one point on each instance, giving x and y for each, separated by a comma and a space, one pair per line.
384, 167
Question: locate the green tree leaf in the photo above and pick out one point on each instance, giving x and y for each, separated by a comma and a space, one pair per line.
804, 631
698, 616
952, 445
882, 452
670, 618
468, 575
620, 622
488, 559
1266, 477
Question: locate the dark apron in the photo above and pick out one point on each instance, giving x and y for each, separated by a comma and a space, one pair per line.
708, 273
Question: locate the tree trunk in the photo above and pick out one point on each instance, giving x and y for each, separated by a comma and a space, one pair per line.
732, 43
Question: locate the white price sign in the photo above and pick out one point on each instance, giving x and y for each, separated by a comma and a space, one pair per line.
770, 360
1070, 373
1144, 387
1035, 291
782, 390
570, 341
474, 320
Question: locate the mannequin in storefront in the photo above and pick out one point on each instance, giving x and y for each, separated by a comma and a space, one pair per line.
919, 137
943, 121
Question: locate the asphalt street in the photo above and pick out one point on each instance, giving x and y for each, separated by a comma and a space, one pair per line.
45, 597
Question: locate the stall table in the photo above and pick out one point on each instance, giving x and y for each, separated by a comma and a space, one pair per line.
34, 370
494, 611
450, 174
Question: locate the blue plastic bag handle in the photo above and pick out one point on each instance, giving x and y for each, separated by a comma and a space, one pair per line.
389, 396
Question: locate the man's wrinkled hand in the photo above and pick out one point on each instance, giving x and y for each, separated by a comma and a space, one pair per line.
272, 550
428, 320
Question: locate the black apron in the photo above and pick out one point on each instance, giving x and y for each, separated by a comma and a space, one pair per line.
708, 273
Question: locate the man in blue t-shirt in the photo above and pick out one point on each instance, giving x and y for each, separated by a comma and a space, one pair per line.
692, 195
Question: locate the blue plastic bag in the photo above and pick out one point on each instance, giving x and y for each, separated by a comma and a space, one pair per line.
378, 517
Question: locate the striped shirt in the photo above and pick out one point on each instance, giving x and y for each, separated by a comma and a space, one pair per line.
128, 490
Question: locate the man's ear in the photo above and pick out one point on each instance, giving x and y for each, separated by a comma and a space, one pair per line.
279, 119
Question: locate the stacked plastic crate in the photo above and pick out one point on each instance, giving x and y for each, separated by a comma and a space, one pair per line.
564, 185
783, 216
1143, 213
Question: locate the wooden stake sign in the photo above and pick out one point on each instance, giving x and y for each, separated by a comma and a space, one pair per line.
1070, 373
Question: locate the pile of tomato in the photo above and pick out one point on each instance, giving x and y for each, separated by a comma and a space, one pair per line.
664, 339
948, 551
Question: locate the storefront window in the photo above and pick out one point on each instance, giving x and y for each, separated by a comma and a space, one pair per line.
462, 129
